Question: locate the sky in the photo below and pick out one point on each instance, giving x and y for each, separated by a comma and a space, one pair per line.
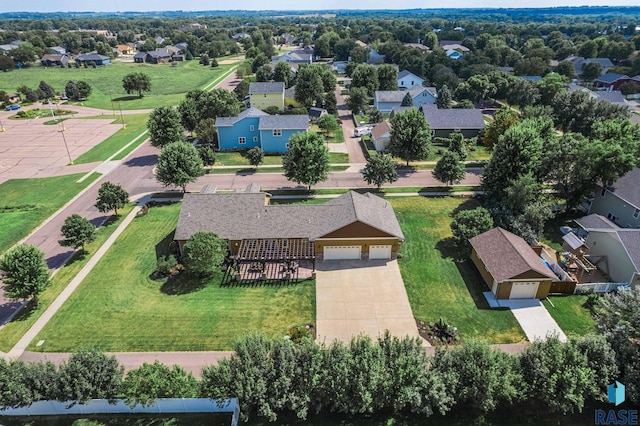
190, 5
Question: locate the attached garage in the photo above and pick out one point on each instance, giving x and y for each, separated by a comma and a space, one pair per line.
342, 252
523, 290
380, 252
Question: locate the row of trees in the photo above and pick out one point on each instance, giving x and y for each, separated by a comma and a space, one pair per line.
390, 375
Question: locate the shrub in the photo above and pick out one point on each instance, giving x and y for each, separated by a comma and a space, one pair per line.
166, 265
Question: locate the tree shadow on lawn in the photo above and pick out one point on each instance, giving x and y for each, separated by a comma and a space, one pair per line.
183, 283
472, 279
126, 98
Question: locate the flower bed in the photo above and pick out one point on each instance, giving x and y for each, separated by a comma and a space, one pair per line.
438, 333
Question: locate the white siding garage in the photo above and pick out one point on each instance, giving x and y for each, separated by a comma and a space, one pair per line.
523, 290
342, 252
380, 252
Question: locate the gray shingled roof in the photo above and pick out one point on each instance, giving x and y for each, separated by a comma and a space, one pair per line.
628, 187
390, 95
230, 121
506, 255
630, 239
614, 96
405, 73
595, 221
93, 56
284, 122
290, 92
454, 118
238, 216
261, 87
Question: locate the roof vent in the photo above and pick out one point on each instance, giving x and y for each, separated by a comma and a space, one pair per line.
258, 216
308, 220
188, 214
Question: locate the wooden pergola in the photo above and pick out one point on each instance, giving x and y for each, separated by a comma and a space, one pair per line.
276, 250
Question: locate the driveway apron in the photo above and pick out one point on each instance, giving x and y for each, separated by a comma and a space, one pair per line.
356, 297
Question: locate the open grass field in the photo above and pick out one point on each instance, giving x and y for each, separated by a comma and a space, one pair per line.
25, 203
168, 83
438, 286
12, 332
570, 314
136, 124
120, 307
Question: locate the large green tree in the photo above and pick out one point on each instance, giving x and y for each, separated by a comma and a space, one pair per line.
365, 76
466, 224
387, 77
77, 231
444, 97
24, 272
309, 86
504, 118
282, 72
179, 164
449, 169
357, 100
380, 169
307, 160
203, 253
410, 136
165, 126
136, 82
90, 375
111, 197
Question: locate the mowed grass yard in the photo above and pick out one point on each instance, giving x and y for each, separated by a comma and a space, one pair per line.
119, 307
437, 285
570, 314
25, 203
168, 83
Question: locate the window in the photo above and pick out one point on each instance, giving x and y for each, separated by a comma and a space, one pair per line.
286, 145
603, 192
285, 243
242, 140
252, 127
456, 130
255, 139
433, 133
636, 213
277, 132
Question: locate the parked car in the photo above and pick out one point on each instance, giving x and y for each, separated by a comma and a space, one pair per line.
12, 107
362, 131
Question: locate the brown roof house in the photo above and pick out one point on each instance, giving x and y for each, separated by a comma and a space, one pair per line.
510, 267
352, 226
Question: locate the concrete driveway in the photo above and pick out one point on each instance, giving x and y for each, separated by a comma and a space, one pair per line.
534, 319
361, 297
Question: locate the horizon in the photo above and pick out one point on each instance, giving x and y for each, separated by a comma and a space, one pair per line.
122, 6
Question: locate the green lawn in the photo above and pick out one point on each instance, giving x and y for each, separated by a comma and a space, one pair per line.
136, 124
570, 314
25, 203
168, 83
439, 287
119, 307
249, 169
237, 158
12, 332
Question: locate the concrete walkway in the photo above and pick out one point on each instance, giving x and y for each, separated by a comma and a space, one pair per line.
534, 319
361, 297
46, 316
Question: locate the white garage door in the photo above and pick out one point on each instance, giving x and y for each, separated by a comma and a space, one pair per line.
341, 252
523, 290
379, 252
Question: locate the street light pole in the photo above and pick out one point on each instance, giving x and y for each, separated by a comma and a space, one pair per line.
113, 108
2, 127
66, 147
124, 126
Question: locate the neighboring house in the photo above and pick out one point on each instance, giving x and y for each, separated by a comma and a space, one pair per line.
124, 49
140, 57
276, 130
293, 57
339, 67
613, 96
182, 46
351, 226
7, 47
264, 95
158, 56
407, 80
385, 101
53, 60
443, 122
159, 40
288, 38
621, 202
315, 113
290, 98
579, 63
14, 97
614, 250
192, 27
93, 57
510, 267
381, 135
238, 36
58, 50
252, 128
375, 58
534, 78
454, 54
418, 46
453, 45
611, 81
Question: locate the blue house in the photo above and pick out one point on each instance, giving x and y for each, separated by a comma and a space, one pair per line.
385, 101
92, 58
454, 54
252, 128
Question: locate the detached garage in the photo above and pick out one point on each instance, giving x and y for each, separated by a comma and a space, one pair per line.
510, 267
342, 252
